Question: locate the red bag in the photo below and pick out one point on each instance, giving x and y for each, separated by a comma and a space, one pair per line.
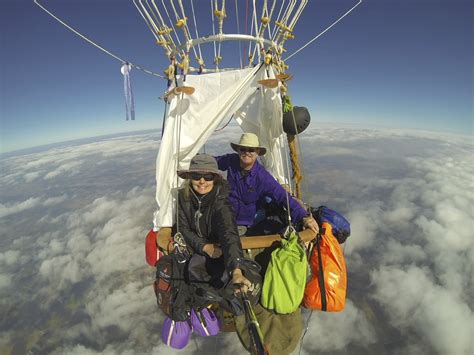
327, 290
152, 253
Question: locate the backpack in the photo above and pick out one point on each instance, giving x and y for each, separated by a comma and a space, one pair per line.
341, 227
327, 290
173, 294
285, 278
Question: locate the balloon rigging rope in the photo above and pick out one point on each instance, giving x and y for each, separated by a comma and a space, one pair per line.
323, 32
187, 33
95, 44
147, 22
171, 22
196, 29
305, 331
213, 29
238, 32
275, 29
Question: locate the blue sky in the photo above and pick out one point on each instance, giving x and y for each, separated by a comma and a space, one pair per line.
402, 64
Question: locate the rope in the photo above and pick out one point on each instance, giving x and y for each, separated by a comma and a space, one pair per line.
238, 32
305, 331
220, 129
196, 29
275, 29
253, 28
221, 26
178, 143
172, 44
171, 22
323, 32
298, 13
270, 16
213, 29
146, 21
95, 44
303, 173
152, 20
187, 33
246, 27
285, 147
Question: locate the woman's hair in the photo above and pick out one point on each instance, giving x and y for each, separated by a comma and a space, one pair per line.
187, 186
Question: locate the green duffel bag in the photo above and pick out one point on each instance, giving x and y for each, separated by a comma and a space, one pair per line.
285, 278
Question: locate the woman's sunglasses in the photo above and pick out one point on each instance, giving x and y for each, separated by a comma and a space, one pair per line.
199, 176
247, 150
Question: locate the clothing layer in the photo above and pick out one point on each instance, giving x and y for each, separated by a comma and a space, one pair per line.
247, 190
210, 219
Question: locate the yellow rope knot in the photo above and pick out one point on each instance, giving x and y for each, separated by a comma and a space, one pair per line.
181, 22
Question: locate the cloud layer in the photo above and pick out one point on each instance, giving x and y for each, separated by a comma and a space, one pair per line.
73, 220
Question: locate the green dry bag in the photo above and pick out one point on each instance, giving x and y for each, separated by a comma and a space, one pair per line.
285, 278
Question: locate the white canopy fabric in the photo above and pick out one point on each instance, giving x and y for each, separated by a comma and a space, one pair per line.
193, 118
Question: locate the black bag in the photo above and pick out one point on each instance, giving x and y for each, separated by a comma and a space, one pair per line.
212, 284
173, 294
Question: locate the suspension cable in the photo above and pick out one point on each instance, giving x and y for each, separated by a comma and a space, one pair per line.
275, 29
150, 27
238, 32
166, 36
171, 22
323, 32
196, 30
270, 16
95, 44
213, 29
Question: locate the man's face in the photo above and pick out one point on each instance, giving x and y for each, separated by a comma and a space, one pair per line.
248, 156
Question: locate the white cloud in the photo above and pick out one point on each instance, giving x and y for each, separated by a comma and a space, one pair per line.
29, 177
10, 257
6, 210
69, 169
337, 330
412, 298
62, 270
409, 200
54, 200
5, 282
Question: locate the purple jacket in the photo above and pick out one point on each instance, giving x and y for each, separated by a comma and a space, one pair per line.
247, 191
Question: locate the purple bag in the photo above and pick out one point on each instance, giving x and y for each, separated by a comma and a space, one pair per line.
204, 322
176, 334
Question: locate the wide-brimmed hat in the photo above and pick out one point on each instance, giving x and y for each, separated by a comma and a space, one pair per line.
249, 140
200, 163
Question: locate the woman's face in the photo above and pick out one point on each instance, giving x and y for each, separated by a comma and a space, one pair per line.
202, 183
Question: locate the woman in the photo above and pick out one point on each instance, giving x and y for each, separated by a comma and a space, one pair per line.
206, 219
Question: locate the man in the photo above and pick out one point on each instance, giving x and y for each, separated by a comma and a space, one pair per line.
250, 183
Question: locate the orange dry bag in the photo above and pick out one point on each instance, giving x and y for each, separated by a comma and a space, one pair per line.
327, 290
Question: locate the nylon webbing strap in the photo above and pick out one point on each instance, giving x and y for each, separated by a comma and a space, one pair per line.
322, 286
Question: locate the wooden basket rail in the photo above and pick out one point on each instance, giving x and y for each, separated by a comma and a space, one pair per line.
164, 240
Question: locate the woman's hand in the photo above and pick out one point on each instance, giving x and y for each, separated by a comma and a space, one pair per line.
239, 279
213, 250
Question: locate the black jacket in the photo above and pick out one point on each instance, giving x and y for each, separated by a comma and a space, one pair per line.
210, 219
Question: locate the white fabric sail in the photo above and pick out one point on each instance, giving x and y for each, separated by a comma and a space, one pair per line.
191, 119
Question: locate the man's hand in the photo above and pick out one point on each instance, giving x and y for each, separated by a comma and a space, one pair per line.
213, 250
239, 279
310, 222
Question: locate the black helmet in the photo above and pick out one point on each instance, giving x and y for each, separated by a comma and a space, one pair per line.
302, 120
